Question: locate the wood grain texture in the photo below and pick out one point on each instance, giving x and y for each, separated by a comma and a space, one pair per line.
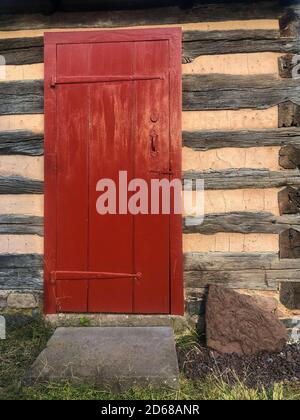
22, 97
200, 93
288, 114
286, 65
198, 43
257, 271
20, 185
21, 225
204, 92
253, 24
209, 139
22, 50
21, 279
289, 156
289, 200
241, 222
243, 279
216, 261
245, 178
21, 261
219, 11
21, 142
289, 244
214, 180
29, 50
238, 222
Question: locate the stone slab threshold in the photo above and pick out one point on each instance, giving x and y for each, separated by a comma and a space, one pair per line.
115, 358
179, 323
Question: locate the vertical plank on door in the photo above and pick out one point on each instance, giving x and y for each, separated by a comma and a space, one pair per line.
152, 291
110, 235
72, 193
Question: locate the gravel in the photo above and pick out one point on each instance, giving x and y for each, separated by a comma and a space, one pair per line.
261, 370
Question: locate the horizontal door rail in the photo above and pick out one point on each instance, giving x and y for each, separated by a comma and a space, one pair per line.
90, 275
101, 79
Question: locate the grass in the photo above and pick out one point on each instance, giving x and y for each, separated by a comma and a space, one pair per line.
26, 341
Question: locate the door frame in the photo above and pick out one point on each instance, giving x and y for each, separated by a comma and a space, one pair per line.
51, 40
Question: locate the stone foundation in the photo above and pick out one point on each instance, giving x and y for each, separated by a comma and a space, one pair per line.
27, 302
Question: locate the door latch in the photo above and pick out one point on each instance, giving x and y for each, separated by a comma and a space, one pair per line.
153, 142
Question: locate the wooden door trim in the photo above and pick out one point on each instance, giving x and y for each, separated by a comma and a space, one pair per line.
52, 40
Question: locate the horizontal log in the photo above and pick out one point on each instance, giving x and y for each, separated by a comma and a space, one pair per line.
205, 92
218, 261
198, 43
241, 222
19, 142
213, 180
20, 185
21, 261
200, 92
22, 97
21, 279
195, 43
230, 179
261, 271
245, 279
219, 11
21, 225
207, 140
17, 51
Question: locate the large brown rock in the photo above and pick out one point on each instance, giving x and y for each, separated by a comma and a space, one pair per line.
235, 323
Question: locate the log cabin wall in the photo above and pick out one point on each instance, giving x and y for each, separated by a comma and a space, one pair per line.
241, 133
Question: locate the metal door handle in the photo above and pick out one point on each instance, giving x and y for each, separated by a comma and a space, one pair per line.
153, 142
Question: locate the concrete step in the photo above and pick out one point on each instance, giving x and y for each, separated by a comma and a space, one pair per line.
109, 357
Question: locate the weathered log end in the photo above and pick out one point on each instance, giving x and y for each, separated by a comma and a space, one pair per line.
289, 157
289, 244
288, 115
289, 200
290, 295
286, 65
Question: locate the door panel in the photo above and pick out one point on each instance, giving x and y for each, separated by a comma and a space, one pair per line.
72, 295
101, 59
110, 236
107, 110
152, 230
72, 193
152, 156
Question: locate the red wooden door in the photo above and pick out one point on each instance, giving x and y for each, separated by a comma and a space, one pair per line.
112, 103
